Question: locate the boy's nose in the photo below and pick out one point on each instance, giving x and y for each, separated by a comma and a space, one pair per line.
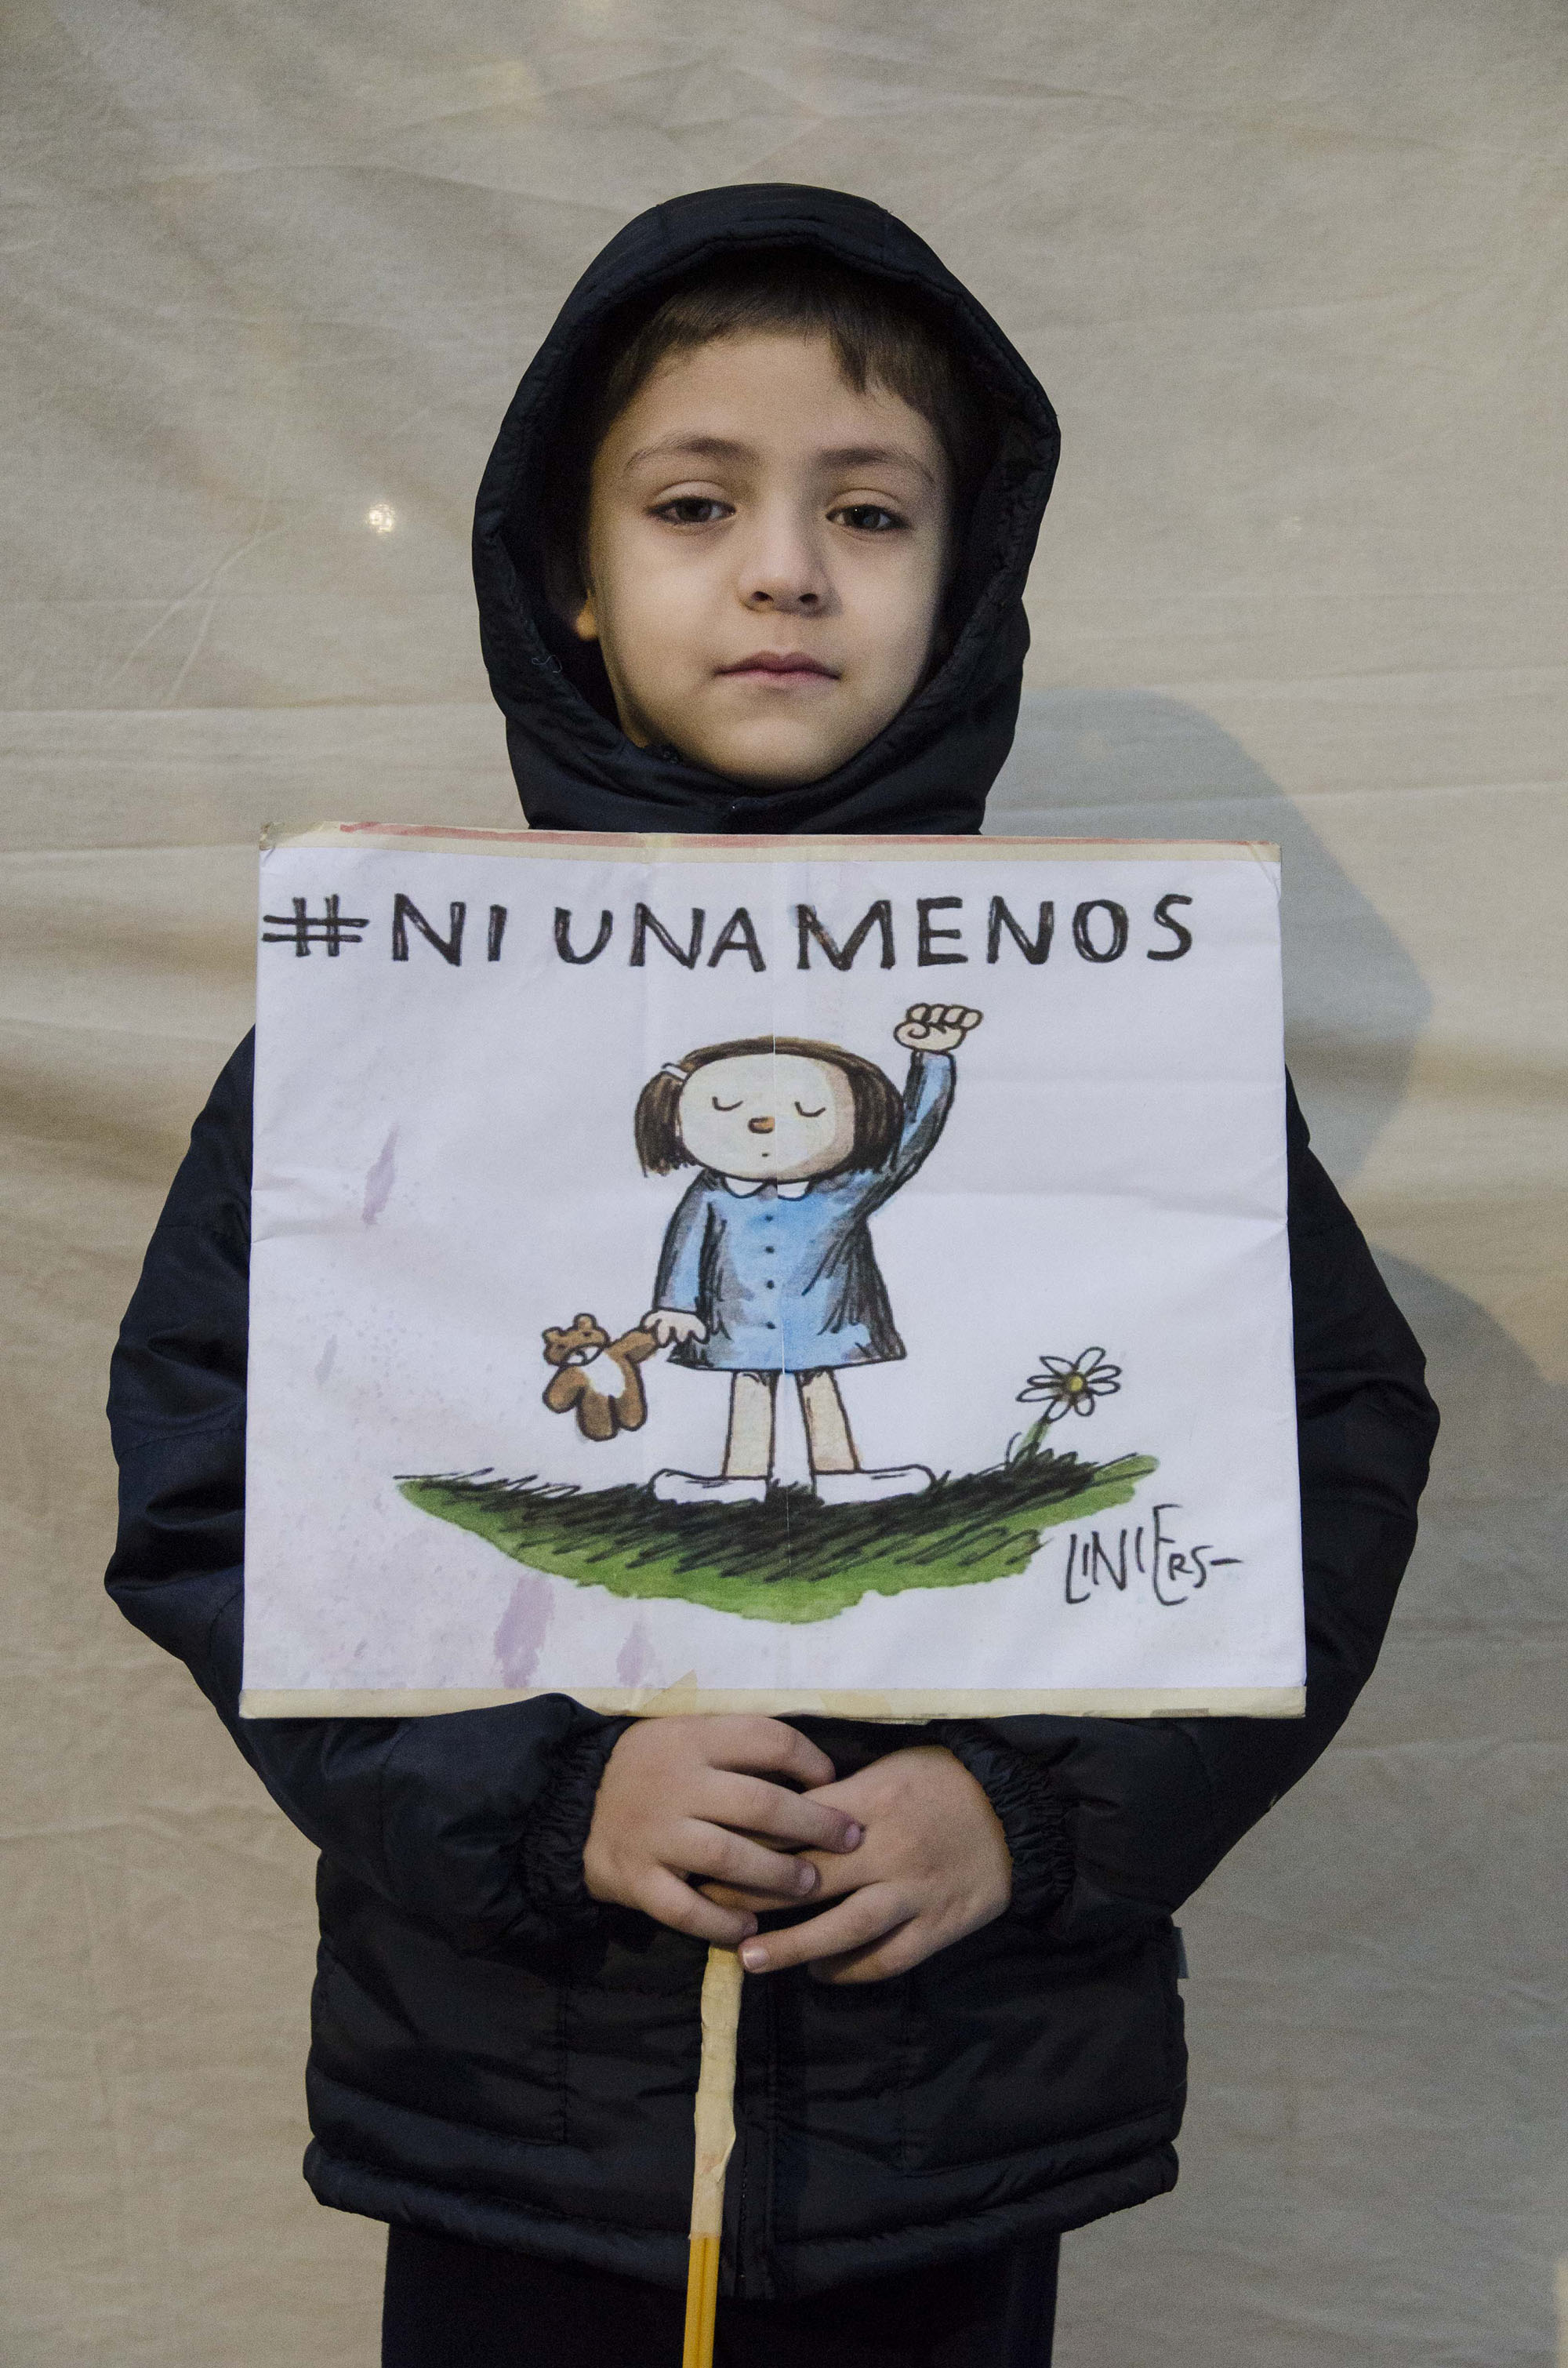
781, 566
760, 1125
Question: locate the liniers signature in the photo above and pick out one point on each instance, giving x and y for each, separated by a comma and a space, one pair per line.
1147, 1552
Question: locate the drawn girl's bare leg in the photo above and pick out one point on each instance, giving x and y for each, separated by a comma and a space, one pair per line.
837, 1473
828, 1441
748, 1452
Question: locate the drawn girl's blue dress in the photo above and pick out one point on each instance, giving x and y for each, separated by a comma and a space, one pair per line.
784, 1276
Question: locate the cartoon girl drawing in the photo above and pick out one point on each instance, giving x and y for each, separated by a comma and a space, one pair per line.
767, 1263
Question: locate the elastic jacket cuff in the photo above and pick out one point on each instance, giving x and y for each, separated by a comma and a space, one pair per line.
558, 1829
1032, 1814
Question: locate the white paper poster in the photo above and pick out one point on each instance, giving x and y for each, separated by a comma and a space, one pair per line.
786, 1274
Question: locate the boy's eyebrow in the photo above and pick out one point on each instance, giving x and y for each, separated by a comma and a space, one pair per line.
700, 447
873, 456
725, 447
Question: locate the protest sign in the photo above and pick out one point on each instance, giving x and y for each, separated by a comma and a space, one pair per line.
787, 1274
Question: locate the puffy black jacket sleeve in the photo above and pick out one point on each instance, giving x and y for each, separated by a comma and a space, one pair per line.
473, 1822
1116, 1819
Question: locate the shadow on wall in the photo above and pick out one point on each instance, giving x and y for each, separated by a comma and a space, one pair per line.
1491, 1563
1132, 764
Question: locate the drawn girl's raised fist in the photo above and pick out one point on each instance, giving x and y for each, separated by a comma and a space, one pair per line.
936, 1027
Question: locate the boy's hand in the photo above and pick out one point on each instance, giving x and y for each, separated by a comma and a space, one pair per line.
933, 1866
669, 1323
936, 1027
684, 1796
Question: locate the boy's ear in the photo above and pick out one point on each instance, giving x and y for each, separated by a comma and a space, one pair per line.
586, 624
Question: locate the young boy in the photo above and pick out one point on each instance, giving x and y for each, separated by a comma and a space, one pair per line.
750, 554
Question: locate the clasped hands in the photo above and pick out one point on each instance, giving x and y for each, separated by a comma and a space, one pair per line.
708, 1823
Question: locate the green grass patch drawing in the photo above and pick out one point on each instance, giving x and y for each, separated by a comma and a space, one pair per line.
790, 1558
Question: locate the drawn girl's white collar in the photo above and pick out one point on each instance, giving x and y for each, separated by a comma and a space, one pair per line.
745, 1185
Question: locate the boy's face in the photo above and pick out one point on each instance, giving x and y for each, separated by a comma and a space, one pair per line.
765, 559
776, 1117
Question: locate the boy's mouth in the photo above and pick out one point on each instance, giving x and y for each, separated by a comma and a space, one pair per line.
782, 666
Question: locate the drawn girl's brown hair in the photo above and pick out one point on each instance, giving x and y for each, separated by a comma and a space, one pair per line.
877, 1105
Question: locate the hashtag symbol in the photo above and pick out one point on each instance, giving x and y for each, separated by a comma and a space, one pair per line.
329, 927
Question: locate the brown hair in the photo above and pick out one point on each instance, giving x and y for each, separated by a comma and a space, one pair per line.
880, 335
878, 1105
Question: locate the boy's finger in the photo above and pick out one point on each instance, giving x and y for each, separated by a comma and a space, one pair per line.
771, 1814
754, 1903
766, 1745
719, 1856
853, 1924
670, 1901
898, 1951
839, 1873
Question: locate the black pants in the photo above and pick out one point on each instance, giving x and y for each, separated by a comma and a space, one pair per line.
451, 2305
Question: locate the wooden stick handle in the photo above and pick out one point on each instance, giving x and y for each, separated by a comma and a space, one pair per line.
715, 2131
702, 2303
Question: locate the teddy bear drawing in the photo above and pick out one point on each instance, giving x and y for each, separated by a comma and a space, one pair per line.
571, 1348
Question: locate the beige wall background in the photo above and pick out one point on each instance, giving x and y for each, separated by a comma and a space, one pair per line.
1294, 273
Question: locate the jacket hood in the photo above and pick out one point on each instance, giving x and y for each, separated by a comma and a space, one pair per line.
931, 768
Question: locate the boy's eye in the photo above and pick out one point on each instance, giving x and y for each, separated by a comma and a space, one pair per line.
869, 518
726, 1106
693, 509
806, 1113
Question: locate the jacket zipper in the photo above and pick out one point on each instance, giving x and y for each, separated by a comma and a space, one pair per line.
758, 2021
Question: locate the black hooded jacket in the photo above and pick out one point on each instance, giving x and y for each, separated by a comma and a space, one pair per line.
495, 2057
